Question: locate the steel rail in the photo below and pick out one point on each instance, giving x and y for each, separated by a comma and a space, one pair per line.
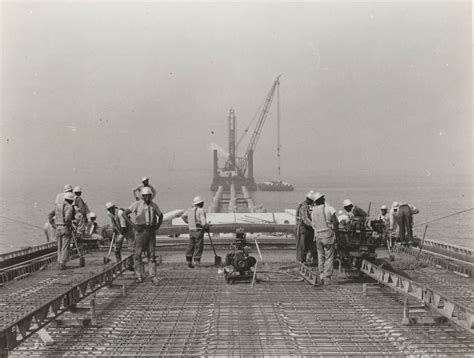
11, 272
439, 302
18, 331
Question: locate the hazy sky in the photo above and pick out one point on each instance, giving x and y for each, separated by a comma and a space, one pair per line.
375, 87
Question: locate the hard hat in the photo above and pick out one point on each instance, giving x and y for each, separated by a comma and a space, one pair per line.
92, 215
340, 212
77, 189
395, 204
69, 196
146, 191
310, 195
109, 205
197, 200
67, 187
317, 196
144, 179
383, 207
347, 202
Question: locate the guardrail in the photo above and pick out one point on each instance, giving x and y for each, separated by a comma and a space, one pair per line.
17, 332
455, 251
437, 301
448, 263
26, 267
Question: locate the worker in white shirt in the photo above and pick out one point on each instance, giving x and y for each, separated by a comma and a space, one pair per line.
405, 222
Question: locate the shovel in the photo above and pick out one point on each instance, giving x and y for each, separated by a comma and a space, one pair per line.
217, 259
82, 260
107, 259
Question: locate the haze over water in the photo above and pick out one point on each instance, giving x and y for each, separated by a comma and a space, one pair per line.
376, 103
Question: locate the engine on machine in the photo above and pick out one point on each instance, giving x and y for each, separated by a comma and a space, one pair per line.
238, 262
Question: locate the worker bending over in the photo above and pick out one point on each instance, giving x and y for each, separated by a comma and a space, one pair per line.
121, 229
195, 217
148, 219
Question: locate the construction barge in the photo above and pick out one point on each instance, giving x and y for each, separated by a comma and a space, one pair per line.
418, 308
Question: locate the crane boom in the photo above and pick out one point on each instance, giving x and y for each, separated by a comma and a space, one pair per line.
258, 128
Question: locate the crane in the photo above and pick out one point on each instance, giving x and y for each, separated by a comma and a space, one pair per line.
242, 163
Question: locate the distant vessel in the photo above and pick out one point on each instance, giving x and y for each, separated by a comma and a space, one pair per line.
277, 185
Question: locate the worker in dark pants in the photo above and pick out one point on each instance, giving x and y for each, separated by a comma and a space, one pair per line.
405, 222
304, 230
195, 217
148, 219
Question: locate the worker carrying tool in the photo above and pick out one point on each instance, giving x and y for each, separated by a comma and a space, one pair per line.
61, 219
304, 230
148, 219
195, 217
325, 225
121, 228
145, 184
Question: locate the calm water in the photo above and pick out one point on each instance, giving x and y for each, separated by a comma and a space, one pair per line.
30, 200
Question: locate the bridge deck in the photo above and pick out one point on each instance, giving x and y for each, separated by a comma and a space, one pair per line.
194, 312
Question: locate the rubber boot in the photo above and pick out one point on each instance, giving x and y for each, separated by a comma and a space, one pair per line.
152, 270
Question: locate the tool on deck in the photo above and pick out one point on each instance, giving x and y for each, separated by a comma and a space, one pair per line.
82, 260
107, 259
217, 259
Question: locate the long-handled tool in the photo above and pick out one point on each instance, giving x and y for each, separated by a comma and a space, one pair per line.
107, 259
217, 259
82, 260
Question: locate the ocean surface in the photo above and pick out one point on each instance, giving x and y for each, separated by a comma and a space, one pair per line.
29, 200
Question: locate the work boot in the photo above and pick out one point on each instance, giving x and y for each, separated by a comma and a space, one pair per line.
190, 264
197, 263
118, 256
189, 260
139, 272
154, 280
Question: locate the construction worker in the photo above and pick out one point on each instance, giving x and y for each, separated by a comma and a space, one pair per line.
353, 210
405, 222
79, 201
60, 197
385, 218
304, 229
148, 219
145, 184
62, 219
393, 216
325, 225
195, 217
92, 228
122, 229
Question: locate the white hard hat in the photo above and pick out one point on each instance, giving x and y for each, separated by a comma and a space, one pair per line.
77, 189
310, 195
317, 196
109, 205
67, 187
145, 178
383, 207
340, 212
197, 200
395, 204
347, 202
69, 196
146, 191
92, 215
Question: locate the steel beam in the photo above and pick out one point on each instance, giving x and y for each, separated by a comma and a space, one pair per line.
439, 302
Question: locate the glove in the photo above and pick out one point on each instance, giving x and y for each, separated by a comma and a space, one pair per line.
207, 228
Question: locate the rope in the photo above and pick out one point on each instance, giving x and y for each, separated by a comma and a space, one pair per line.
21, 222
444, 217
